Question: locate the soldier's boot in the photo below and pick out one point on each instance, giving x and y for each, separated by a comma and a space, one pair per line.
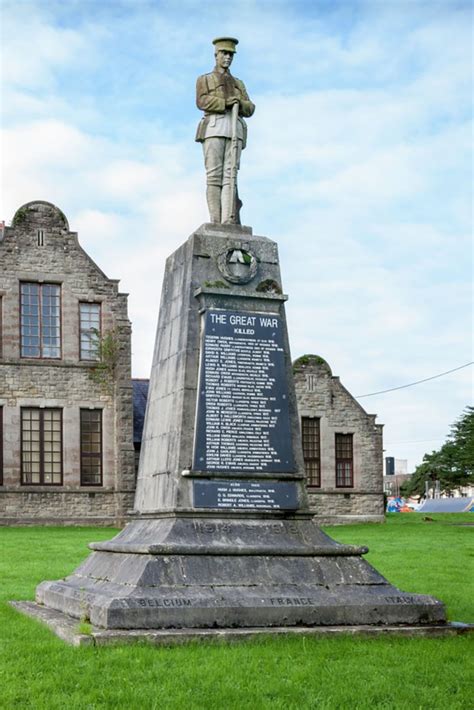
227, 216
213, 195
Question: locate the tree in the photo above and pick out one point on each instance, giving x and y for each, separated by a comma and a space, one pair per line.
452, 465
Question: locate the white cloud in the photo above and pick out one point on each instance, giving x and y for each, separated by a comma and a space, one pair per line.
357, 164
33, 54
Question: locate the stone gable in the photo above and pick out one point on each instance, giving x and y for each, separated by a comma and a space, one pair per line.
322, 396
40, 249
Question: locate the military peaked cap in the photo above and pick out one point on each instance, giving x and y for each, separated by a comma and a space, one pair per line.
225, 44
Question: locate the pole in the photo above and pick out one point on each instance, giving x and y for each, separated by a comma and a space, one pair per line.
234, 147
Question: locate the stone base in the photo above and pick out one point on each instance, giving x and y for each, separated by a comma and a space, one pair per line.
69, 630
206, 573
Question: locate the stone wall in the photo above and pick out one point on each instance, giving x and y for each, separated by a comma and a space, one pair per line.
39, 247
68, 506
320, 394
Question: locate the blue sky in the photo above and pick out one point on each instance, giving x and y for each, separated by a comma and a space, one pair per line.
358, 164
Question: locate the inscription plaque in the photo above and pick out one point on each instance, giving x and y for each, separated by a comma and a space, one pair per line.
242, 494
242, 420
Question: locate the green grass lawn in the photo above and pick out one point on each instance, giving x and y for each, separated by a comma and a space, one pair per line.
39, 671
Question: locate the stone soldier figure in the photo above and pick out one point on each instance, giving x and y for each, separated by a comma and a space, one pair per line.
216, 94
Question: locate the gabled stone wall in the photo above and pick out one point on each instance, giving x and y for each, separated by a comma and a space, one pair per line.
55, 255
321, 395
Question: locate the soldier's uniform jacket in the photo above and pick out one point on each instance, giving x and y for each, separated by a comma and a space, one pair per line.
211, 93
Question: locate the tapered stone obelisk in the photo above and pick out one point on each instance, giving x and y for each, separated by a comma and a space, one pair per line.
222, 535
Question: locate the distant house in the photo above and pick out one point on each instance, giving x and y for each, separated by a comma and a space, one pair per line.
342, 447
66, 447
393, 483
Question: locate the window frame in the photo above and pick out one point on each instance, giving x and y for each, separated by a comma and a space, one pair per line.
84, 455
1, 326
344, 461
81, 330
312, 480
42, 482
1, 445
41, 285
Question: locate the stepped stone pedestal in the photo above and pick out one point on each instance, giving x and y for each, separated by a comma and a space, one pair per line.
222, 535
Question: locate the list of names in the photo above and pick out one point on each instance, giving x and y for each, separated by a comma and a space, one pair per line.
244, 495
243, 417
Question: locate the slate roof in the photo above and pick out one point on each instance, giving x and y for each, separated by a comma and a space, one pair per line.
140, 396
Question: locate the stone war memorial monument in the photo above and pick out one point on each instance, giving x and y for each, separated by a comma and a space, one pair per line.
222, 537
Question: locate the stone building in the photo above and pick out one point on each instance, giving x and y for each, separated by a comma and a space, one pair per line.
392, 484
66, 436
342, 447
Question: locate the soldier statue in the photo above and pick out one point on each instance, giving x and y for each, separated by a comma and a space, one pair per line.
222, 131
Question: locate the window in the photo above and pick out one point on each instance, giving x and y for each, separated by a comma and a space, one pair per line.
344, 461
91, 447
89, 327
40, 306
311, 450
41, 446
1, 327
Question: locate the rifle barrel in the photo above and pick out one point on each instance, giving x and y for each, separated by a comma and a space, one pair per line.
233, 164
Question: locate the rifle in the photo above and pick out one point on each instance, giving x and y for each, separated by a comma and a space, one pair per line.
234, 147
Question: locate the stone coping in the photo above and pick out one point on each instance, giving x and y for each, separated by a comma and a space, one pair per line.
234, 291
237, 475
225, 549
68, 629
225, 229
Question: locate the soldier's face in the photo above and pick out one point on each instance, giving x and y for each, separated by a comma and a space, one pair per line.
224, 59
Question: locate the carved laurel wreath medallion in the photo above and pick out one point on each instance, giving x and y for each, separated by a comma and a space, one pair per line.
238, 266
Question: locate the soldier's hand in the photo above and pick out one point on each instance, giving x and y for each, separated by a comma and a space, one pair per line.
231, 101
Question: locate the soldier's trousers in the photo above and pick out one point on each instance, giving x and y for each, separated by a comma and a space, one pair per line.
218, 160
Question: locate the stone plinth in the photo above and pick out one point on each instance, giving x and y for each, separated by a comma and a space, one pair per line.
197, 282
202, 573
223, 536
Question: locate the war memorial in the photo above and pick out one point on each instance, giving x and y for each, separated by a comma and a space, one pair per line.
222, 536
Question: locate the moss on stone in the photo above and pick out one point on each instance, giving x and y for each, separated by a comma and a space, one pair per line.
308, 360
21, 216
269, 286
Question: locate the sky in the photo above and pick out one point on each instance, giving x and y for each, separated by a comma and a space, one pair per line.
358, 164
